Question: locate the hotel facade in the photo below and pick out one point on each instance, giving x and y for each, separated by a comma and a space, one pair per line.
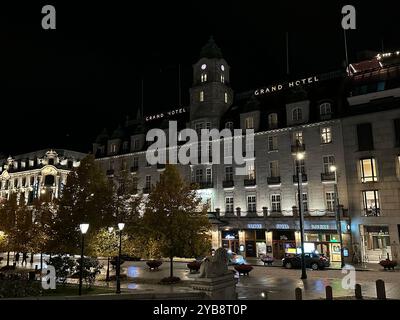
347, 120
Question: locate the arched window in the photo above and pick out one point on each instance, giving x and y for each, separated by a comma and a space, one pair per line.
203, 77
226, 97
222, 78
201, 96
297, 114
272, 120
325, 109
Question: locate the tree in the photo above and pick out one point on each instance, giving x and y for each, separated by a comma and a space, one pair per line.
8, 211
86, 198
64, 267
175, 217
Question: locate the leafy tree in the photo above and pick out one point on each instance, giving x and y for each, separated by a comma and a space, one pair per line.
175, 217
8, 209
64, 267
91, 268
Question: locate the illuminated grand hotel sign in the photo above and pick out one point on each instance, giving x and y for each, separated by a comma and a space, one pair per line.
166, 114
285, 85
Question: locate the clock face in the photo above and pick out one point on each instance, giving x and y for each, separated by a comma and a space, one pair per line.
222, 67
203, 66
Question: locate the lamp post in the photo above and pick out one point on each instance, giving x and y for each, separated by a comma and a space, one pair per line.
120, 227
110, 230
337, 214
84, 228
299, 157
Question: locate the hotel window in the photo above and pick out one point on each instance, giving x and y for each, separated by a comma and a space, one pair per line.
297, 114
272, 121
199, 175
251, 204
325, 109
208, 175
228, 147
276, 203
136, 162
330, 201
326, 135
226, 97
31, 163
328, 161
302, 165
251, 172
298, 138
136, 144
368, 170
229, 125
201, 96
371, 203
203, 77
228, 173
365, 137
274, 169
249, 123
23, 164
272, 143
222, 78
229, 204
304, 201
113, 148
125, 146
148, 182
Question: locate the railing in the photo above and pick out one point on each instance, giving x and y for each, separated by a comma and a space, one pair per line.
228, 183
372, 212
249, 182
273, 180
303, 178
328, 176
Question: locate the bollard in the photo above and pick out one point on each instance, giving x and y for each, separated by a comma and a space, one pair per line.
358, 292
298, 294
329, 294
380, 290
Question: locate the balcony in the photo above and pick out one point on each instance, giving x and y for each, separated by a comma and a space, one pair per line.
202, 184
228, 183
134, 169
273, 180
146, 190
328, 176
372, 212
303, 178
249, 182
298, 148
110, 172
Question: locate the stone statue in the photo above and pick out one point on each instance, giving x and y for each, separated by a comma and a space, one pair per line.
215, 266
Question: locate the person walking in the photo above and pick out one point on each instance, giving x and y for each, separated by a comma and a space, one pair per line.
24, 258
17, 258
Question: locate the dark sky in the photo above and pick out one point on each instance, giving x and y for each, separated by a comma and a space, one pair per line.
61, 87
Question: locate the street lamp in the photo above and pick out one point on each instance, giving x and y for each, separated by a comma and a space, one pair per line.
299, 157
333, 169
121, 226
84, 228
110, 231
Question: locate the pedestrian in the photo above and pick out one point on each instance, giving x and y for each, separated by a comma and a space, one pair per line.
24, 258
17, 258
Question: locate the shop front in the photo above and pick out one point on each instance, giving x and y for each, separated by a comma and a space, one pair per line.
230, 240
376, 243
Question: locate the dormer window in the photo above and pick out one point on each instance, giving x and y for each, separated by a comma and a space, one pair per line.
325, 110
272, 121
297, 114
204, 77
201, 96
222, 78
249, 123
15, 165
113, 148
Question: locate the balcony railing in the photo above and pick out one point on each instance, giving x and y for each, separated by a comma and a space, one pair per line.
273, 180
249, 182
203, 184
372, 212
328, 176
110, 172
228, 183
303, 178
298, 148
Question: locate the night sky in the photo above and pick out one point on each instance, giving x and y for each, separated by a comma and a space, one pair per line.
61, 87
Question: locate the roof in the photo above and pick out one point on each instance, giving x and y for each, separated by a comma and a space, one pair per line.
210, 50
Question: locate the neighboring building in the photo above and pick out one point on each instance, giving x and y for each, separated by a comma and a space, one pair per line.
257, 213
35, 173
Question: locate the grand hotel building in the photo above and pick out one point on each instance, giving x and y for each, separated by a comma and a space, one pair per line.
347, 119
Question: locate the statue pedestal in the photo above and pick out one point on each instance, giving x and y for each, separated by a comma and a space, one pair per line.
218, 288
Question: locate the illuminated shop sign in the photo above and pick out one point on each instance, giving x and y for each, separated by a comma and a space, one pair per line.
287, 85
165, 114
282, 226
328, 225
254, 226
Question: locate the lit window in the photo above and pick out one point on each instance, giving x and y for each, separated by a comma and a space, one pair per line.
300, 164
203, 77
226, 97
297, 114
251, 204
222, 67
229, 204
368, 170
272, 121
330, 201
298, 138
326, 135
249, 123
328, 161
251, 172
272, 143
201, 96
222, 78
274, 169
325, 109
276, 203
371, 203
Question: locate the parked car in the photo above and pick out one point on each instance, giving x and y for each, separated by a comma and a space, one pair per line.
314, 261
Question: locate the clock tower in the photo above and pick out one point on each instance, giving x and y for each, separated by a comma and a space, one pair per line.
210, 95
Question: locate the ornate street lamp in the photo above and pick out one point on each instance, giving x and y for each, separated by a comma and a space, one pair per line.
110, 231
337, 214
84, 228
121, 226
299, 157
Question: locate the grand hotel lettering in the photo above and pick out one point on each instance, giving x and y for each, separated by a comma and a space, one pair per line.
168, 113
286, 85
